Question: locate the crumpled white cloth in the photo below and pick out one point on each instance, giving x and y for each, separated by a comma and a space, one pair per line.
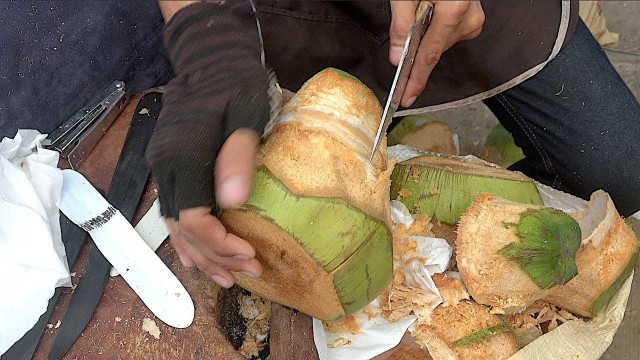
32, 257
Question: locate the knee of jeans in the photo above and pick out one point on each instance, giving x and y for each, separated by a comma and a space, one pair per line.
622, 183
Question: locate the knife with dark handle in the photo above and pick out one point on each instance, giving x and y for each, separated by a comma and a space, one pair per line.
400, 80
157, 287
126, 188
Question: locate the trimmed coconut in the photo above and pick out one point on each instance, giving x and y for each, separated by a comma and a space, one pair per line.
606, 258
510, 254
424, 133
319, 213
500, 147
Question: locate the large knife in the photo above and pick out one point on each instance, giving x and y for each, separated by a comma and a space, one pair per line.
400, 80
119, 242
127, 186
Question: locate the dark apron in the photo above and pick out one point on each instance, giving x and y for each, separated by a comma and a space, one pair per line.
57, 55
304, 37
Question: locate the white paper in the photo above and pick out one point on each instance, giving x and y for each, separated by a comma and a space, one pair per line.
32, 258
377, 334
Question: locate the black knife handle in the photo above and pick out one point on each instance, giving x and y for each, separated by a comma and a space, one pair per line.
125, 191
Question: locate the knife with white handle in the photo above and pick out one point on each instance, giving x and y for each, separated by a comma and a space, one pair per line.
118, 241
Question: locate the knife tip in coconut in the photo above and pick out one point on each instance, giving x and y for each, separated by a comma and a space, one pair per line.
319, 214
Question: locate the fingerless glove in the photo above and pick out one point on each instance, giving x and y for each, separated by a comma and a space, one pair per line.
220, 85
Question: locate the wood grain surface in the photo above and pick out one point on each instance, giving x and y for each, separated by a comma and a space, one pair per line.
291, 335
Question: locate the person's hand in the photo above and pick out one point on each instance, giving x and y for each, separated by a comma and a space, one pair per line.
202, 152
452, 21
199, 238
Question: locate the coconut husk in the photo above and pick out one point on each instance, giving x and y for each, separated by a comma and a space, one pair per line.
450, 324
488, 226
407, 349
606, 258
319, 213
442, 187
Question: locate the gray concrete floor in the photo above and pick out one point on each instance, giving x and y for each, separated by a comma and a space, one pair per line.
472, 123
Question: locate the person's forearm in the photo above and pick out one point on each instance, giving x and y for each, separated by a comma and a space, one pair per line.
170, 8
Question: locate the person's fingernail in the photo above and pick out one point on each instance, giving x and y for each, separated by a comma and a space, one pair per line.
395, 52
232, 190
221, 281
249, 274
411, 101
241, 257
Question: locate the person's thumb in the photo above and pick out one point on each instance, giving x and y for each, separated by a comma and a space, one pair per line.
235, 167
403, 16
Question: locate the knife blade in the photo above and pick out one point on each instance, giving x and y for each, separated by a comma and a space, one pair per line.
151, 228
118, 241
77, 136
126, 188
401, 78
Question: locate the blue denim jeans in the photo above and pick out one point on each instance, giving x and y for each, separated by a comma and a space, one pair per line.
578, 124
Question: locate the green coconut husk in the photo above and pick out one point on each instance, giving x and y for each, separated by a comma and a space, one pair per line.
321, 256
466, 330
549, 240
606, 295
607, 256
443, 187
500, 148
405, 126
510, 254
481, 335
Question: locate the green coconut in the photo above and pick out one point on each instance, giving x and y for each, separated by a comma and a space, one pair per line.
443, 187
510, 254
500, 148
405, 126
318, 215
547, 246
